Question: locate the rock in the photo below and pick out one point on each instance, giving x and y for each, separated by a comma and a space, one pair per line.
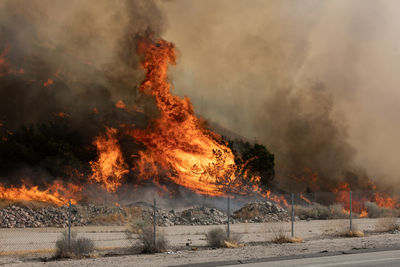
21, 217
261, 212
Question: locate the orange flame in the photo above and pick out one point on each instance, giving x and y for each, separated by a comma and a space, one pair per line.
178, 146
383, 200
55, 193
363, 213
110, 166
305, 199
48, 83
120, 104
62, 114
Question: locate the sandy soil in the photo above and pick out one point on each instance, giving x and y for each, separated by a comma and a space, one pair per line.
256, 237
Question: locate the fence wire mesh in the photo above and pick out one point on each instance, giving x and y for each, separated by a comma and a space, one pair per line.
256, 219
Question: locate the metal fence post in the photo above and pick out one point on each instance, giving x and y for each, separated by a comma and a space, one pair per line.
351, 209
154, 223
69, 224
228, 218
292, 215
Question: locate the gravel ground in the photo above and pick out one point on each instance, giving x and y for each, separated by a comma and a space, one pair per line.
313, 232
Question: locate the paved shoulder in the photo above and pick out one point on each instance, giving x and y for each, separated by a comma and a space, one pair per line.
366, 257
383, 258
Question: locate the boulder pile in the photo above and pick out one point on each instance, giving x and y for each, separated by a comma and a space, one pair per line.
261, 212
20, 217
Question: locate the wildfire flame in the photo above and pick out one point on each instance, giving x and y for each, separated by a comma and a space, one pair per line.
383, 200
55, 193
110, 167
48, 83
358, 205
305, 199
178, 146
364, 213
120, 104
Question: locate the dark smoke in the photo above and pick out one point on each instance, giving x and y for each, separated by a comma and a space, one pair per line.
66, 66
293, 76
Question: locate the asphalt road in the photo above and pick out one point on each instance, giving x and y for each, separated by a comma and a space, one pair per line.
383, 259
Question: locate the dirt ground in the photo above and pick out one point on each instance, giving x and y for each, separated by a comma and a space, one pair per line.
22, 247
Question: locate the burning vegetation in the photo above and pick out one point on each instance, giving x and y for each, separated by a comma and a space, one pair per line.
118, 126
175, 150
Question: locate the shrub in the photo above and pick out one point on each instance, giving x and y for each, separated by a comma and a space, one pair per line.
374, 211
280, 236
218, 237
145, 237
338, 211
77, 248
137, 225
215, 237
340, 229
319, 212
389, 224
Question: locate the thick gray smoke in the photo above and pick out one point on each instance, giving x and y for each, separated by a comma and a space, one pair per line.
315, 81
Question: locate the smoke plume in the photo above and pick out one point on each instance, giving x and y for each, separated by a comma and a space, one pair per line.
314, 81
71, 66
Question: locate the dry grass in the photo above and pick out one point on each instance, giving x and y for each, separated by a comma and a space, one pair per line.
109, 219
341, 229
134, 213
281, 235
218, 237
388, 224
33, 204
319, 212
78, 247
353, 233
374, 211
145, 237
334, 228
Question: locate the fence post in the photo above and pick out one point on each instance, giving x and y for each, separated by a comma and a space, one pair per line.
292, 215
351, 209
69, 224
154, 224
228, 218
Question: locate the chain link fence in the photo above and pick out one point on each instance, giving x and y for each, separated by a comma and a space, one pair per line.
256, 220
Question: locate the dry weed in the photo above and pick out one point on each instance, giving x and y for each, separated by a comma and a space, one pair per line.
337, 228
145, 237
32, 204
281, 235
218, 237
109, 219
388, 224
77, 247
